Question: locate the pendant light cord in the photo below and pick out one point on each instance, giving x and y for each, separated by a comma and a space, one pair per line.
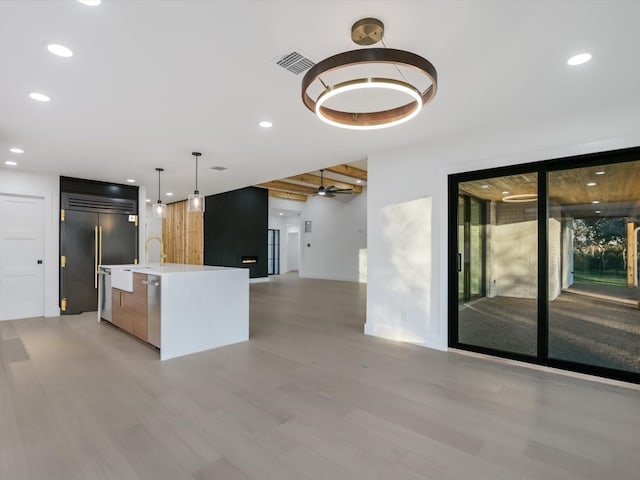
197, 174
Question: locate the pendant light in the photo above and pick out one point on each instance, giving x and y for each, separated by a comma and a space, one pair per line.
159, 209
196, 200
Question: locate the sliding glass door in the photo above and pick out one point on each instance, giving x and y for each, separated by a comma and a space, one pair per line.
594, 317
543, 263
499, 263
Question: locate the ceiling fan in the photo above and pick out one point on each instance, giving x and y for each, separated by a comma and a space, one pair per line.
332, 190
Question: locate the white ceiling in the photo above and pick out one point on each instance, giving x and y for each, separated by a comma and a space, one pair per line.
152, 81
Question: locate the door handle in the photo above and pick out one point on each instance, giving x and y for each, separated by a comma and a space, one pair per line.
459, 262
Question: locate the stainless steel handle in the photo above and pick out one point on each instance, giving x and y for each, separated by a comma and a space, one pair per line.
96, 253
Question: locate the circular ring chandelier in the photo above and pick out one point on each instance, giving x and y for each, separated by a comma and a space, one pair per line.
366, 32
522, 198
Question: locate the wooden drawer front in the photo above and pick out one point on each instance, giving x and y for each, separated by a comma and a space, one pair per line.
129, 309
121, 315
116, 311
140, 285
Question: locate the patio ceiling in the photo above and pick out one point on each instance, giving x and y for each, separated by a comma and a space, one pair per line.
619, 184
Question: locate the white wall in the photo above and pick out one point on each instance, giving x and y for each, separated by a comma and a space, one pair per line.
46, 187
337, 242
399, 176
150, 226
293, 250
339, 232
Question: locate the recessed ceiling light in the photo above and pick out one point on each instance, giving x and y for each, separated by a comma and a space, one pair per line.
484, 186
91, 3
40, 97
358, 181
601, 172
59, 50
265, 124
596, 201
579, 59
131, 180
597, 211
281, 213
11, 163
591, 184
148, 200
16, 150
506, 192
169, 194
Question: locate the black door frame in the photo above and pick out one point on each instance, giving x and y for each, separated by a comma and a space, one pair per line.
273, 254
542, 168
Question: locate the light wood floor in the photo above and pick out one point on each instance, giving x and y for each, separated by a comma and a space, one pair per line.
308, 397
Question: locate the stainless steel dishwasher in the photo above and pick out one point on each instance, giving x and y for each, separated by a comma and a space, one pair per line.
153, 309
105, 294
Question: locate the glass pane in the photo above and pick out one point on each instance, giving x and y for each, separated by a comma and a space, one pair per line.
476, 247
593, 295
498, 308
461, 211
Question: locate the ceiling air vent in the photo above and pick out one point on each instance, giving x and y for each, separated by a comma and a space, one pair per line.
218, 168
295, 62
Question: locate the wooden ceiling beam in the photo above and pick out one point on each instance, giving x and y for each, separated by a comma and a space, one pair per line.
288, 187
316, 180
288, 195
348, 171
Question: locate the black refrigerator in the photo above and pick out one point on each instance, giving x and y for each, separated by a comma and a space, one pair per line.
94, 231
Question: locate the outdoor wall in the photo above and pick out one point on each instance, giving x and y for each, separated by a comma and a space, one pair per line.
338, 235
419, 172
567, 253
48, 188
514, 250
555, 258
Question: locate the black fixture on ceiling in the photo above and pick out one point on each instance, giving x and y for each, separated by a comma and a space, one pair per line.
332, 190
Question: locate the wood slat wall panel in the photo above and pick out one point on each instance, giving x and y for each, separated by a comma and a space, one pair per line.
183, 235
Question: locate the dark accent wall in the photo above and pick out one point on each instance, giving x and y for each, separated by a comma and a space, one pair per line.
101, 189
235, 226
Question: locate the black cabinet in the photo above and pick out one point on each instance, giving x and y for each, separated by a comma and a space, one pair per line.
94, 231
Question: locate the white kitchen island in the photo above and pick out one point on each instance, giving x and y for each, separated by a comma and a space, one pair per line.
200, 306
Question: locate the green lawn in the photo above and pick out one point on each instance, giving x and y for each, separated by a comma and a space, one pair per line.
594, 278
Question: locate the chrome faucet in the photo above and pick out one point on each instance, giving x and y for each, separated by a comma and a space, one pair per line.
163, 256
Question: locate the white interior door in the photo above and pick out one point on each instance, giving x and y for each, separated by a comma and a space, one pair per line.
21, 257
